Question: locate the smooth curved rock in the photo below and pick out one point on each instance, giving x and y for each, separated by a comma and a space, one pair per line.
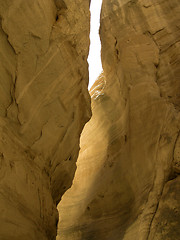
44, 104
127, 184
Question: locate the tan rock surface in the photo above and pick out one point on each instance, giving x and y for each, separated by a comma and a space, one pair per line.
127, 185
44, 104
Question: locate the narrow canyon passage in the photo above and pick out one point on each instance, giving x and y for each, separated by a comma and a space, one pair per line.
95, 69
125, 183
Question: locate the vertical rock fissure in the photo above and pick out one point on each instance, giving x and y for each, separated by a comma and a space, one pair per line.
94, 59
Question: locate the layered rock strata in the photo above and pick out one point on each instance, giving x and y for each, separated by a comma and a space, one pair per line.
127, 181
44, 104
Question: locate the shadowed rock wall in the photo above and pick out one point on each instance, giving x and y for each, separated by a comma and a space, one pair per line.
44, 104
127, 181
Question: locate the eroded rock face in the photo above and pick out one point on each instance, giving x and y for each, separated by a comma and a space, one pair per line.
44, 104
127, 184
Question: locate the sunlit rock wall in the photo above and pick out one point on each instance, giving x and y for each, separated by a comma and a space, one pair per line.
127, 181
44, 104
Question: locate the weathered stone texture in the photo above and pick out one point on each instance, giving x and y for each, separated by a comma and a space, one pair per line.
44, 104
127, 184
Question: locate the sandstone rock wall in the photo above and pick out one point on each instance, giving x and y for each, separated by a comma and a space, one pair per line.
127, 181
44, 104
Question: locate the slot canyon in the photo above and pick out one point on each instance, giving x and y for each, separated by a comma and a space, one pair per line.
102, 164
